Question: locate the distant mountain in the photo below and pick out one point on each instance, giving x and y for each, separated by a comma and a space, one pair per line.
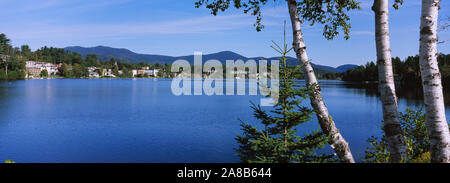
345, 67
121, 54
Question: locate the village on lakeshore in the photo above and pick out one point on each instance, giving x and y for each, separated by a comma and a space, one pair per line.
36, 69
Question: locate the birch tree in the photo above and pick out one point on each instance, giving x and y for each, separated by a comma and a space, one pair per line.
436, 122
332, 14
392, 128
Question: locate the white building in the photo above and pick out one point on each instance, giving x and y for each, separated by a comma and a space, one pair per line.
108, 73
153, 72
34, 68
145, 70
93, 72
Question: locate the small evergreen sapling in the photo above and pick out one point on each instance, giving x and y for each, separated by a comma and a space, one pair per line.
278, 142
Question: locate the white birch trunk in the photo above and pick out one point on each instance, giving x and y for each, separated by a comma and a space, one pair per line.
431, 80
392, 128
326, 123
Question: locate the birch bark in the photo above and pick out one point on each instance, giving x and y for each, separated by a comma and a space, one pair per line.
326, 123
436, 122
392, 128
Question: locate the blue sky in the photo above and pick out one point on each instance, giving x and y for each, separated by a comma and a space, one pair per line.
174, 27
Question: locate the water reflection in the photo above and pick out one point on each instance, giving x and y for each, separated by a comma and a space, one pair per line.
140, 120
413, 95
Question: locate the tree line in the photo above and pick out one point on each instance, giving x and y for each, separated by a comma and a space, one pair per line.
73, 65
11, 64
406, 72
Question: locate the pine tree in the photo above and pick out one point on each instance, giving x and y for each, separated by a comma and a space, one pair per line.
333, 15
279, 142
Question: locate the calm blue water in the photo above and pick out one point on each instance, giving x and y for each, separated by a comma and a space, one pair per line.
140, 120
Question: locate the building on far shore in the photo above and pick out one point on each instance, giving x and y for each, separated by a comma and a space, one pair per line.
145, 70
34, 68
93, 72
108, 73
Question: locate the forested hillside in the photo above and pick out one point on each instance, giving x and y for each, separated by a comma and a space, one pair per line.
406, 72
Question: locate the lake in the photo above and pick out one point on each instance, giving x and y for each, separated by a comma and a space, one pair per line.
140, 120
